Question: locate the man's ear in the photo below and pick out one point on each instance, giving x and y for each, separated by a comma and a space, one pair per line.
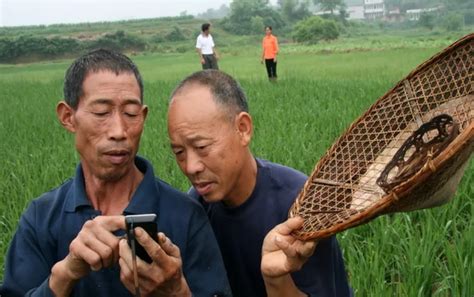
244, 126
144, 112
65, 115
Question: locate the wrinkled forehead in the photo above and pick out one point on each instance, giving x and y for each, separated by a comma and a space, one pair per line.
199, 95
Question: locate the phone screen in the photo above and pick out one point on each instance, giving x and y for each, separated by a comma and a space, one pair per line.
147, 222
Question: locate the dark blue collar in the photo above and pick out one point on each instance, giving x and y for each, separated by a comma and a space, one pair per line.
145, 198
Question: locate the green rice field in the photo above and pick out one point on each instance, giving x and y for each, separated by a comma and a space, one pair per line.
318, 95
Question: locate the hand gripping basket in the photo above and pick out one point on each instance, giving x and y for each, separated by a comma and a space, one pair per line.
407, 152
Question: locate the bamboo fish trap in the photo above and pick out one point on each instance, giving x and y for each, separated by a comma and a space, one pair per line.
407, 152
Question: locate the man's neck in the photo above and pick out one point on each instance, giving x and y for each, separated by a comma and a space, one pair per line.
246, 183
112, 197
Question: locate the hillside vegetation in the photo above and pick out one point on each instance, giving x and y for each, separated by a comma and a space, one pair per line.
243, 26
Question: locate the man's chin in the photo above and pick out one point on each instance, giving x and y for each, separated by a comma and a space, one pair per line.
210, 198
114, 174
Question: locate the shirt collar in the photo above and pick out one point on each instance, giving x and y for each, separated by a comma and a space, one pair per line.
144, 200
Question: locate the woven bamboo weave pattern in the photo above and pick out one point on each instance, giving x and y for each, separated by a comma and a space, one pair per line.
342, 190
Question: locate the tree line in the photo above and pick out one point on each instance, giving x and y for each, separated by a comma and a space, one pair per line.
292, 19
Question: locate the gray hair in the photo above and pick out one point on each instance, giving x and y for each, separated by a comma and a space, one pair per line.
225, 90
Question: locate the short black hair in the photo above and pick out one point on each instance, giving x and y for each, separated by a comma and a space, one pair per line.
205, 27
269, 27
225, 90
94, 61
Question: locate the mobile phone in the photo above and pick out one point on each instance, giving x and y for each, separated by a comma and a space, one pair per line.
148, 223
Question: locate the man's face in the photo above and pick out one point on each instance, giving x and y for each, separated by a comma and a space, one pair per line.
207, 144
108, 123
268, 31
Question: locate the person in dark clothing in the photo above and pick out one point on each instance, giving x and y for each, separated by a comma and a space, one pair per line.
247, 199
68, 241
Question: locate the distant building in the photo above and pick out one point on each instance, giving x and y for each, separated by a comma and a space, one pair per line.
356, 12
365, 9
374, 9
355, 9
414, 14
393, 15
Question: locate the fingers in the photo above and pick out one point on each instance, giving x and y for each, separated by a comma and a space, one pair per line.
307, 249
154, 250
295, 249
126, 272
126, 268
289, 226
111, 223
283, 245
98, 244
169, 247
164, 273
125, 254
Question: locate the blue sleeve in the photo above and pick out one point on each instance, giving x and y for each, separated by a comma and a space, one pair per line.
203, 267
42, 291
324, 274
26, 267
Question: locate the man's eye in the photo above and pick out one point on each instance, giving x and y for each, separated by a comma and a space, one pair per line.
100, 114
201, 147
130, 114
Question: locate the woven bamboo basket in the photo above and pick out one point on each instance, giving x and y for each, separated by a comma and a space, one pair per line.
407, 152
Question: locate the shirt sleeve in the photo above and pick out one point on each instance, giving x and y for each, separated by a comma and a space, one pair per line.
198, 42
212, 41
26, 267
203, 267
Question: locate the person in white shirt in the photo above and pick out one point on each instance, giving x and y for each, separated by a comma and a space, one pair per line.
206, 48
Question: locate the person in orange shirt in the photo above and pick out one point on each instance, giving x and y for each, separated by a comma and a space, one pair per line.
269, 53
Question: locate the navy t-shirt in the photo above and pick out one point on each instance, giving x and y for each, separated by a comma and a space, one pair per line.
240, 232
52, 221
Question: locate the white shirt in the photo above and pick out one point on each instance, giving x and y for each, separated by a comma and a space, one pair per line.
205, 43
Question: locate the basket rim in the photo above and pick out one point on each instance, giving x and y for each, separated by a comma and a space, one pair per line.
461, 141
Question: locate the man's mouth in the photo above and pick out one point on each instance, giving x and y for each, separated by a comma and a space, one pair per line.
203, 188
117, 157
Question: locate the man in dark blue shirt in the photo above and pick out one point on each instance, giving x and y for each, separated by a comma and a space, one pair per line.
210, 131
68, 240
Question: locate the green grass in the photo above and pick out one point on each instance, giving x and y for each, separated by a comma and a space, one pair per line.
424, 253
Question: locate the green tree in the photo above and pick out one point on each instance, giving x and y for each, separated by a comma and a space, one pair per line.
453, 22
329, 5
257, 24
427, 20
294, 10
175, 35
314, 29
239, 20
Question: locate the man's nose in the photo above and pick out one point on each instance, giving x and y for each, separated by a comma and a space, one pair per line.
193, 164
117, 127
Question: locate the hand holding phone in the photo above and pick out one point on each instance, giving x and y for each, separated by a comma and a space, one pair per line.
148, 223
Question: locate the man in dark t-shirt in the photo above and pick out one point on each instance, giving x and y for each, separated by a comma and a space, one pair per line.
247, 199
69, 240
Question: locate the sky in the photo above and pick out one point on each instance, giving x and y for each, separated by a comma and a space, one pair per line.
46, 12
